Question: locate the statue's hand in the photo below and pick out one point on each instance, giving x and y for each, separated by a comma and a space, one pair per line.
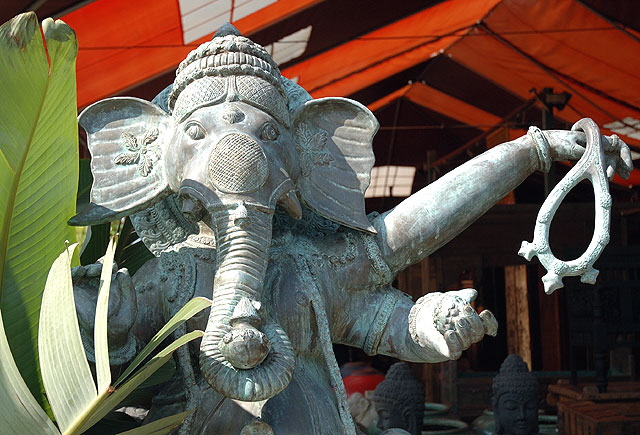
122, 301
446, 323
569, 145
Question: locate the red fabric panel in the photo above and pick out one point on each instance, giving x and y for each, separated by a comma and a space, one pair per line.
146, 38
601, 58
568, 53
392, 48
125, 42
435, 100
355, 81
382, 102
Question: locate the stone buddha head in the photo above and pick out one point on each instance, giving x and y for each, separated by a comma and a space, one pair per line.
515, 398
399, 400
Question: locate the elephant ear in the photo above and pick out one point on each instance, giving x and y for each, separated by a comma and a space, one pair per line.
127, 138
334, 137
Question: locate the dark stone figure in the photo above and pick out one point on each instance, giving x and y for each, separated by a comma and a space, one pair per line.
515, 398
399, 400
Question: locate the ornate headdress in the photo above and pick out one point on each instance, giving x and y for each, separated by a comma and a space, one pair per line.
229, 67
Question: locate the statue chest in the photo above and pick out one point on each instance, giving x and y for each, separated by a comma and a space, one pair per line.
295, 298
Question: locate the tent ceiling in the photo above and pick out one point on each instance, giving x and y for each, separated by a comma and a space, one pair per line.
437, 74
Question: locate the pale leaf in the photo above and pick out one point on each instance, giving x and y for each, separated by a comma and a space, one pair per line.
65, 371
189, 310
103, 370
19, 411
157, 361
160, 427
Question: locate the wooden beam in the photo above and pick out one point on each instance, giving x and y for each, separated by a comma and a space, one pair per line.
517, 301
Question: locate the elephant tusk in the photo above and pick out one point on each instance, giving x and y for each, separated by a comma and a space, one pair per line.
192, 209
591, 167
289, 202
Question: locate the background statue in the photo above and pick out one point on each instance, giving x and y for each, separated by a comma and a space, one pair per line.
399, 400
251, 193
515, 398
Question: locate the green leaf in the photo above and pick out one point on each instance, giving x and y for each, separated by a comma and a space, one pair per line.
103, 370
113, 423
95, 246
19, 411
65, 371
132, 253
138, 378
190, 309
159, 427
38, 173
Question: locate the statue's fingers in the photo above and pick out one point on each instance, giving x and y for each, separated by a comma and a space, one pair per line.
125, 284
466, 294
453, 344
465, 335
490, 323
625, 155
611, 171
78, 272
94, 270
609, 143
616, 164
477, 328
573, 136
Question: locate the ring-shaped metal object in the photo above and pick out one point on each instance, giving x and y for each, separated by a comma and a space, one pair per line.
591, 167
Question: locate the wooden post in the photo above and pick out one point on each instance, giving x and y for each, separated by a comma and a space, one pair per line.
517, 301
550, 313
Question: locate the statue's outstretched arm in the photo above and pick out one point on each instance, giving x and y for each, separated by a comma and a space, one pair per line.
433, 216
438, 327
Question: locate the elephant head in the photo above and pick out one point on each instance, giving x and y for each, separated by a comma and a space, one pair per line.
237, 141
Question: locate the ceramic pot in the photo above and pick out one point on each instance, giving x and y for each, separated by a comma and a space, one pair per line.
485, 425
443, 425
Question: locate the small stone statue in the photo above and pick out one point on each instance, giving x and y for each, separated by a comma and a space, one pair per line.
251, 193
515, 398
399, 400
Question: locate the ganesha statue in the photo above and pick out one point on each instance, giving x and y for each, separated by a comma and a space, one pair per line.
251, 193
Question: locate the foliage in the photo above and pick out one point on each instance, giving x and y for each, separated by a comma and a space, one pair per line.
38, 182
38, 172
76, 400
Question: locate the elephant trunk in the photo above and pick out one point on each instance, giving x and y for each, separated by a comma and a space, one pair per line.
241, 355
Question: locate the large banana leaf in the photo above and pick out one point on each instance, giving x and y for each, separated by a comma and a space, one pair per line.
38, 172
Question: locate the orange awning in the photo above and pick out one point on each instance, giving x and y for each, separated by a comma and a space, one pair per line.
468, 64
124, 42
367, 59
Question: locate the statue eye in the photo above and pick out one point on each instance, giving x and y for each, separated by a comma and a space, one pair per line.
195, 131
269, 132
